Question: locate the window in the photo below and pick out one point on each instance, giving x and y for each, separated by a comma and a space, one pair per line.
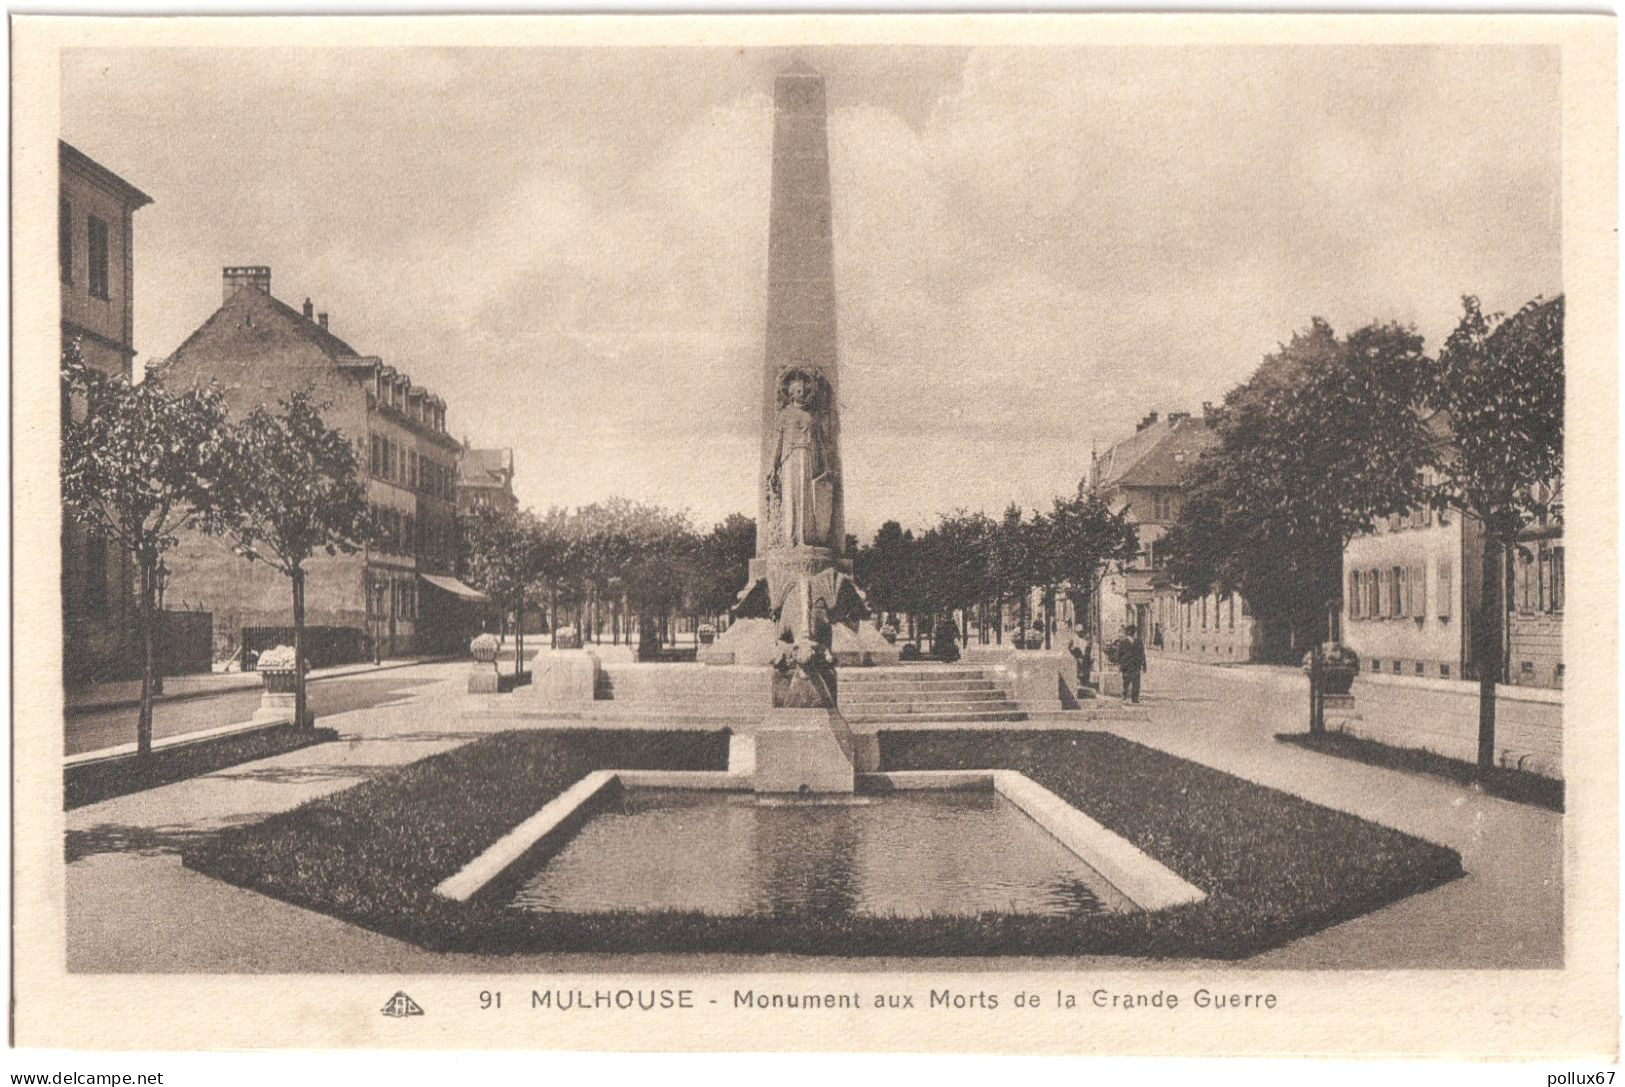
98, 258
1417, 516
1418, 587
1354, 594
1230, 602
1555, 600
1444, 593
1396, 592
1204, 612
1395, 521
1373, 595
1525, 583
412, 470
96, 573
1444, 671
64, 241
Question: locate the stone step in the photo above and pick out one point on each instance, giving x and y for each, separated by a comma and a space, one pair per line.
924, 707
928, 694
878, 678
946, 718
932, 689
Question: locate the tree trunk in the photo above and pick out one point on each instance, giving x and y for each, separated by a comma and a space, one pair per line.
553, 616
143, 723
299, 714
1508, 602
1488, 656
998, 619
1049, 615
519, 632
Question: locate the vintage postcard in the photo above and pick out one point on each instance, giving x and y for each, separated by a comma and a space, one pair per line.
1036, 534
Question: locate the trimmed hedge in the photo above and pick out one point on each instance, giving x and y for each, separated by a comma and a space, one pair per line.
1275, 867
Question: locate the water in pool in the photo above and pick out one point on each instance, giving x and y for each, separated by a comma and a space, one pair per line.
903, 854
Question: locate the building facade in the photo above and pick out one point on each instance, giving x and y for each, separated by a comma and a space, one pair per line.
400, 591
96, 260
1147, 474
1413, 587
1410, 594
485, 480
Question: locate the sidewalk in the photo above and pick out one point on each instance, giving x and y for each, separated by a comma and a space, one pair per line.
1507, 912
126, 694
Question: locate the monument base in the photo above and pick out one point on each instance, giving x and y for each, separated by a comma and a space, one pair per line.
756, 642
797, 751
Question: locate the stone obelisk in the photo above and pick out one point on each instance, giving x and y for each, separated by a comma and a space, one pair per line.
800, 589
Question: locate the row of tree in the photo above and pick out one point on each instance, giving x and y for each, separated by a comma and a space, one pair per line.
142, 464
975, 564
1332, 433
611, 564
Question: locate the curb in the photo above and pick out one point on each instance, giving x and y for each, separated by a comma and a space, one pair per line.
188, 696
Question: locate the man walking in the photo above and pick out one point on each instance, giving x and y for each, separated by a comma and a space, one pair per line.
1131, 662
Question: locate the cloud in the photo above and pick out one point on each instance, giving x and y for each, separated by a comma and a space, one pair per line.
1033, 246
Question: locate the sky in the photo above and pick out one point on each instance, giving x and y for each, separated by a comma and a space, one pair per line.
1033, 247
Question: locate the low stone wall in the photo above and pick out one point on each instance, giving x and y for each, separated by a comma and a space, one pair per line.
1442, 716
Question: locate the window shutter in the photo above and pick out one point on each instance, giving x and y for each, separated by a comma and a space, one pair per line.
1354, 594
1419, 591
1445, 591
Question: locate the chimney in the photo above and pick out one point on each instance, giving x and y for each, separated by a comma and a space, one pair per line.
1178, 416
1149, 420
321, 319
310, 310
257, 276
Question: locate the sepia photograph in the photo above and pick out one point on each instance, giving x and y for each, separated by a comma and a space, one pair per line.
847, 524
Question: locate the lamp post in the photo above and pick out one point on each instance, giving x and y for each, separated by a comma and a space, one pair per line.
162, 577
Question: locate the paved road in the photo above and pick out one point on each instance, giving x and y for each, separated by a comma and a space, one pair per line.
94, 731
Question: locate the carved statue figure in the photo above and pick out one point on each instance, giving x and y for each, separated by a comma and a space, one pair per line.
801, 483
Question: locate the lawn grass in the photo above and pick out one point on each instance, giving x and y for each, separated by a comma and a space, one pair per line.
92, 782
1274, 867
1521, 786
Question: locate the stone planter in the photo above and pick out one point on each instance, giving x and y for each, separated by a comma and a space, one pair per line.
1338, 667
569, 638
708, 634
281, 679
485, 677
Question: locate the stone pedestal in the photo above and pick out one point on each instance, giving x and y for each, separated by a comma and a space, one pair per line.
1043, 680
1111, 682
797, 751
565, 676
1339, 712
274, 706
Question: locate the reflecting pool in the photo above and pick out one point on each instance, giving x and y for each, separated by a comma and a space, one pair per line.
909, 853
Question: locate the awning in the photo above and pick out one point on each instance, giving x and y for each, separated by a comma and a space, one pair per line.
453, 586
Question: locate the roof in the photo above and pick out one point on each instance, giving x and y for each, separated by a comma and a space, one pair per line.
291, 322
485, 467
71, 158
1161, 455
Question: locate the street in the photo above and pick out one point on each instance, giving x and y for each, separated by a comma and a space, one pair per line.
340, 694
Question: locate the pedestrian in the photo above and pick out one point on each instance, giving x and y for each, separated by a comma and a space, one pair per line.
1131, 662
1083, 654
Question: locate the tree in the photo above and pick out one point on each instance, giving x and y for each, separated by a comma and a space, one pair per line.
1013, 562
1326, 436
138, 464
499, 559
1083, 539
291, 489
885, 569
723, 563
1500, 383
